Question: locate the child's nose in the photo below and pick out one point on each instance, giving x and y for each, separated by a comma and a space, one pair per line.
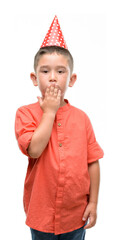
53, 76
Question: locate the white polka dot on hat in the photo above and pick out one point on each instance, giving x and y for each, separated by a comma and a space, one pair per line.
54, 35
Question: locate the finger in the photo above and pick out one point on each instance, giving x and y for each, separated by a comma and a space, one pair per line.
47, 91
52, 90
55, 92
59, 94
91, 223
85, 215
40, 99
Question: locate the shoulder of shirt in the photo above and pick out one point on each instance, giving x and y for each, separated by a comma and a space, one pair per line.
80, 111
29, 107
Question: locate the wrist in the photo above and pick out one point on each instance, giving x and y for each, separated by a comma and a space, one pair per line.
93, 202
48, 114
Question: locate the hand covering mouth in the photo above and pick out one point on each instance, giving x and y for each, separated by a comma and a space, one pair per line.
52, 84
55, 85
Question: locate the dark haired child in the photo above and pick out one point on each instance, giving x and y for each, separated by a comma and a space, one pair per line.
62, 181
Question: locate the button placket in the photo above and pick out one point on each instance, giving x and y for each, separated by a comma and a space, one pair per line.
61, 178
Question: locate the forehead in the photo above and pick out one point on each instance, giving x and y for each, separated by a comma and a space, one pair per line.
53, 59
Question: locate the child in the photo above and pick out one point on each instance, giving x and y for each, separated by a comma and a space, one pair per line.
62, 181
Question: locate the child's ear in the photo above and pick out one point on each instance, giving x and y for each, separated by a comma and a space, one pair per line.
34, 78
72, 79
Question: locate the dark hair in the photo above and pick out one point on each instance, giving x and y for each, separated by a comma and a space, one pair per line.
51, 49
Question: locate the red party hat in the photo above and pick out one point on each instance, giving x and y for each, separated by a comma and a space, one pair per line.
54, 35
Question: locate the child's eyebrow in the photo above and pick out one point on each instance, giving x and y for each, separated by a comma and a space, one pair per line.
58, 66
45, 66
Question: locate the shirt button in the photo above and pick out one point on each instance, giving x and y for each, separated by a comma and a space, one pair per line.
59, 124
60, 144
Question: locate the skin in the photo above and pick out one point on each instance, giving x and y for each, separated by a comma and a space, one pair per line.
53, 81
91, 209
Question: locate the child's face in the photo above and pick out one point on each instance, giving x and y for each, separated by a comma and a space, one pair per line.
53, 68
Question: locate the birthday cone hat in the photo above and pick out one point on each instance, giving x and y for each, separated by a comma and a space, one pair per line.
54, 36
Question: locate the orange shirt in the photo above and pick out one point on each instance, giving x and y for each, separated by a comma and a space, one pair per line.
56, 186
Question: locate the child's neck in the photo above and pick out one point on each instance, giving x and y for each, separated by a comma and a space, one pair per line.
63, 103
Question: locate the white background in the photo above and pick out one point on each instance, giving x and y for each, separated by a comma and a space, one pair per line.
91, 31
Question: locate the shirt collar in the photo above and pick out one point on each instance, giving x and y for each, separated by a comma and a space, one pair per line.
65, 107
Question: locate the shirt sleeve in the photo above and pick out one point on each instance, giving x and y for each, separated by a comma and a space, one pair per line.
94, 151
24, 128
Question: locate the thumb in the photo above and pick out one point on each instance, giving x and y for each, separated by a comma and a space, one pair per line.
40, 100
85, 215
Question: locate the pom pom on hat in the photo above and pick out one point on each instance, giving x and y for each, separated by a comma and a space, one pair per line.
54, 36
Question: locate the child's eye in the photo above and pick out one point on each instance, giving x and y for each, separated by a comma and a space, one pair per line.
60, 71
45, 71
